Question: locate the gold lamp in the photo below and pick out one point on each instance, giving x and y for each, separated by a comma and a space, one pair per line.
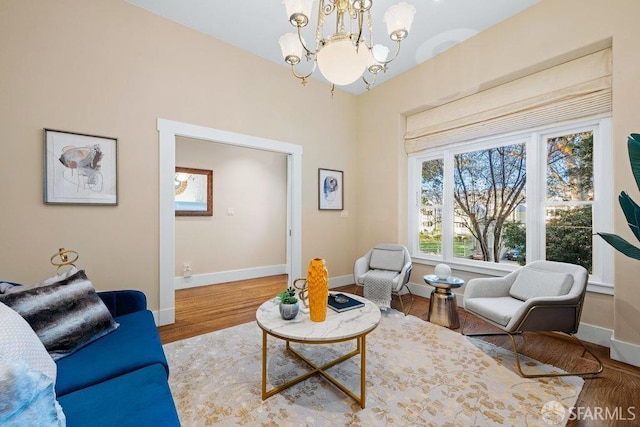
345, 55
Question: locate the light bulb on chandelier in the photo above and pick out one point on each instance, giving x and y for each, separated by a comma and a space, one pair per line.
344, 56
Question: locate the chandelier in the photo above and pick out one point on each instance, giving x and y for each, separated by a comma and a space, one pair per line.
347, 54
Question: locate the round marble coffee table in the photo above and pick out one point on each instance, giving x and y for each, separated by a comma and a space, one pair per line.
443, 309
338, 327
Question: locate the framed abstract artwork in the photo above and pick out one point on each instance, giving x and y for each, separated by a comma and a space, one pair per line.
330, 189
80, 169
193, 192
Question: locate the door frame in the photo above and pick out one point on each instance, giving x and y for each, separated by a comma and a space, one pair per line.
168, 130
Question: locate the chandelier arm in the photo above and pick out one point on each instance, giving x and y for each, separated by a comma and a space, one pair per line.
300, 76
360, 22
370, 28
309, 53
367, 83
384, 63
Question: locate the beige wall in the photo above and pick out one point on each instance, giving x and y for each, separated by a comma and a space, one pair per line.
253, 183
106, 67
546, 34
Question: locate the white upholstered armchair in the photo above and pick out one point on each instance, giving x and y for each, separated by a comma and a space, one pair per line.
384, 271
541, 296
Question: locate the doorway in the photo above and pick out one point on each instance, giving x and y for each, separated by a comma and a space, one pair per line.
168, 131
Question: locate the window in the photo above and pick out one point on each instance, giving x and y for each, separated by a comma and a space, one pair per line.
430, 225
498, 203
569, 198
488, 187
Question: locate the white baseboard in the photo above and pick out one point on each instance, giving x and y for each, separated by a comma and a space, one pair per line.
421, 290
164, 317
336, 282
228, 276
594, 334
625, 352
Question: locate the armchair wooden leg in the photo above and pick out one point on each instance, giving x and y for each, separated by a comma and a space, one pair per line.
597, 371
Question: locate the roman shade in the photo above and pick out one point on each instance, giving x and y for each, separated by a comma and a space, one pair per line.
575, 89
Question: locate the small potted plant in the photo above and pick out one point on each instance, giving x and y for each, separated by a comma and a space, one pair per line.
288, 304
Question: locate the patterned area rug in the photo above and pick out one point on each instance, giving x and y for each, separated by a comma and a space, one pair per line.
418, 374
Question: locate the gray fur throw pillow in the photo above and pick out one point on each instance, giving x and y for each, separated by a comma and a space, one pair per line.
66, 315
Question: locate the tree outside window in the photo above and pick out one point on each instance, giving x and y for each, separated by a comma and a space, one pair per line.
569, 199
489, 186
431, 207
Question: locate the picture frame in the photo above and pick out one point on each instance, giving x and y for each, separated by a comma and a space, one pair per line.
330, 189
80, 169
193, 192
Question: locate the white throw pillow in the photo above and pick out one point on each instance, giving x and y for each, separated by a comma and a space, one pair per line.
387, 259
20, 342
532, 283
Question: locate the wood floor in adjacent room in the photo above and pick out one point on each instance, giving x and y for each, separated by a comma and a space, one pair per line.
210, 308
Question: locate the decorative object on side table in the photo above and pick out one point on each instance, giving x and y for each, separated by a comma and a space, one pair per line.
288, 304
318, 284
341, 302
63, 258
443, 271
300, 285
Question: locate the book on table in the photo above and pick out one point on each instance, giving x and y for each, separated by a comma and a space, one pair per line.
342, 302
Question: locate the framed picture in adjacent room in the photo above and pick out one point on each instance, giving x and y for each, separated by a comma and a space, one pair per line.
193, 192
80, 169
330, 189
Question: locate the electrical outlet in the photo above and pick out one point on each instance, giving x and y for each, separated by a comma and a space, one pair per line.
186, 269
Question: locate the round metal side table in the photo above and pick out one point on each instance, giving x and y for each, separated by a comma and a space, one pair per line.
443, 309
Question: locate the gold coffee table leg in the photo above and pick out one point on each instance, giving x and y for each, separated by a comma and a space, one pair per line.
264, 365
363, 370
315, 369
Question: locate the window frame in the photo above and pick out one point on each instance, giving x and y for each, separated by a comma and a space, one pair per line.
601, 280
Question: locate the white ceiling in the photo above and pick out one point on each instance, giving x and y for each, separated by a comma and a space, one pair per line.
256, 26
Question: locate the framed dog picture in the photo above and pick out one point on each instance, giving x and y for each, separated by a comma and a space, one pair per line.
330, 190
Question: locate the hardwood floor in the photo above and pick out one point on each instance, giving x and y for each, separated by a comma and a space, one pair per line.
210, 308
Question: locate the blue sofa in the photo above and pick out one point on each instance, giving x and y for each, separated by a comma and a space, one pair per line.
120, 379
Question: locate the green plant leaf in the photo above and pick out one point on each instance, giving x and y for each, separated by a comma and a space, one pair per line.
633, 145
631, 212
621, 245
287, 297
